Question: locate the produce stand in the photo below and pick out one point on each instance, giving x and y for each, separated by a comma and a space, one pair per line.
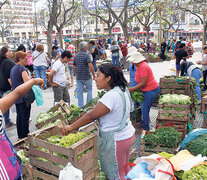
136, 117
203, 104
86, 163
145, 150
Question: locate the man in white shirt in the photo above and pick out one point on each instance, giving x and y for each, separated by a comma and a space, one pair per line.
57, 78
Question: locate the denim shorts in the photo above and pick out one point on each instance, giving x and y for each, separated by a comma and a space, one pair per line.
102, 51
71, 70
178, 67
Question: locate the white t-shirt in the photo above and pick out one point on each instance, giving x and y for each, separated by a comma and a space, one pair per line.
113, 119
59, 77
40, 60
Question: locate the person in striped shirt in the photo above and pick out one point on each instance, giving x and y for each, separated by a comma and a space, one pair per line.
71, 48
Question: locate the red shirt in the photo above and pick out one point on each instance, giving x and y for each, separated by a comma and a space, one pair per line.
145, 71
124, 49
71, 48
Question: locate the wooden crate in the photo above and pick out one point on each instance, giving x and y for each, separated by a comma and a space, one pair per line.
86, 162
203, 104
186, 112
146, 151
173, 86
61, 107
180, 126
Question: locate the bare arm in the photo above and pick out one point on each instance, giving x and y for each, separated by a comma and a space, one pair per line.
25, 76
74, 70
140, 85
58, 56
9, 80
90, 65
204, 63
7, 101
51, 75
99, 110
92, 50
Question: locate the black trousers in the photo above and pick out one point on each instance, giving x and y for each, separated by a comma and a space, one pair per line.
204, 78
22, 122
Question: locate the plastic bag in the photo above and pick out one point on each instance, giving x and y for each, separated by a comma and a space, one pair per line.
70, 172
172, 68
38, 95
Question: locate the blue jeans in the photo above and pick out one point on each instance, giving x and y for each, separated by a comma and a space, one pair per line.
70, 70
80, 86
6, 114
196, 73
40, 72
94, 64
146, 104
115, 60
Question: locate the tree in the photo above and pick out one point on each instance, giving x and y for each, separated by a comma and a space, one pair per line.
52, 5
3, 3
64, 15
123, 16
7, 19
106, 16
146, 15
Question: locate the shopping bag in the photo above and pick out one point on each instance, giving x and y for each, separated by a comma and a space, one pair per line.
38, 95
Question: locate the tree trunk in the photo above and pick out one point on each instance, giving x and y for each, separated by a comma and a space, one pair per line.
125, 31
59, 30
110, 30
148, 34
2, 36
51, 23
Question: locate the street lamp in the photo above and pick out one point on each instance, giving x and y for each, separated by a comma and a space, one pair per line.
204, 11
160, 8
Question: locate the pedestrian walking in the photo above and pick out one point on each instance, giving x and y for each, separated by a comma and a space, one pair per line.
94, 52
6, 64
190, 69
71, 48
57, 51
82, 67
124, 51
162, 49
150, 46
136, 45
173, 46
116, 133
146, 82
40, 63
180, 54
101, 48
115, 53
20, 75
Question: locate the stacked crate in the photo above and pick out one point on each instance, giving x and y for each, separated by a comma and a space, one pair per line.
177, 86
87, 163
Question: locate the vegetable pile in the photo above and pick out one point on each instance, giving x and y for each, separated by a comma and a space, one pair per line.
166, 136
198, 172
137, 96
75, 111
174, 99
198, 145
24, 159
42, 117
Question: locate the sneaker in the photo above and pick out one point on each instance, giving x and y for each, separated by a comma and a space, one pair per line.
11, 124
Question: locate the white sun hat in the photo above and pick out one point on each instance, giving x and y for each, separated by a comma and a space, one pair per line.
135, 56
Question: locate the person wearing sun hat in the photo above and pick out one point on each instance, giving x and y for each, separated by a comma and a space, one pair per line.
100, 45
146, 82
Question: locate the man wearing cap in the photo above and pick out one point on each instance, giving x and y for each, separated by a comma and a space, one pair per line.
146, 82
100, 45
124, 50
180, 54
82, 66
71, 48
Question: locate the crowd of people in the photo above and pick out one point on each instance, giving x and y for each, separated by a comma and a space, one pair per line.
116, 133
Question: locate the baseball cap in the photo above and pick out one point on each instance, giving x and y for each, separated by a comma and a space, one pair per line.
119, 42
100, 35
68, 40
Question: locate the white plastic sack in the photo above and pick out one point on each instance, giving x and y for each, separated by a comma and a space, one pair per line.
172, 68
70, 173
120, 54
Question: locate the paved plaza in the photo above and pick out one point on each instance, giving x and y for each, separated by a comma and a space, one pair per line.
159, 69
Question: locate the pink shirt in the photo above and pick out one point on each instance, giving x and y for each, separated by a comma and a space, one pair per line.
145, 71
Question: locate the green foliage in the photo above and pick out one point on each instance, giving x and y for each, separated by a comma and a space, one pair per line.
42, 117
21, 154
137, 96
166, 155
174, 99
164, 136
198, 172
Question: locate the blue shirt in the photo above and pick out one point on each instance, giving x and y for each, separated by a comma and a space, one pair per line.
132, 75
16, 79
81, 61
59, 50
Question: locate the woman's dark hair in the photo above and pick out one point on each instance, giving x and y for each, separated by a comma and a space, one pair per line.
117, 77
3, 52
92, 42
21, 48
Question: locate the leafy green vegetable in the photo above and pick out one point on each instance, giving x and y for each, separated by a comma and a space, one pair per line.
137, 96
166, 155
174, 99
100, 94
21, 154
198, 173
198, 145
42, 117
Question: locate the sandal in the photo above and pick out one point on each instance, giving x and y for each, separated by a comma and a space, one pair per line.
11, 124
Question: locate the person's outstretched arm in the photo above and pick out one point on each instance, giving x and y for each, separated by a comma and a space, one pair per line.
7, 101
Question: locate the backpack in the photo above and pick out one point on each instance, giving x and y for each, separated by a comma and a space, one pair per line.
10, 162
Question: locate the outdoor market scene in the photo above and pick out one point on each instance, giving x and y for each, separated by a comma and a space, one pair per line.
103, 90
